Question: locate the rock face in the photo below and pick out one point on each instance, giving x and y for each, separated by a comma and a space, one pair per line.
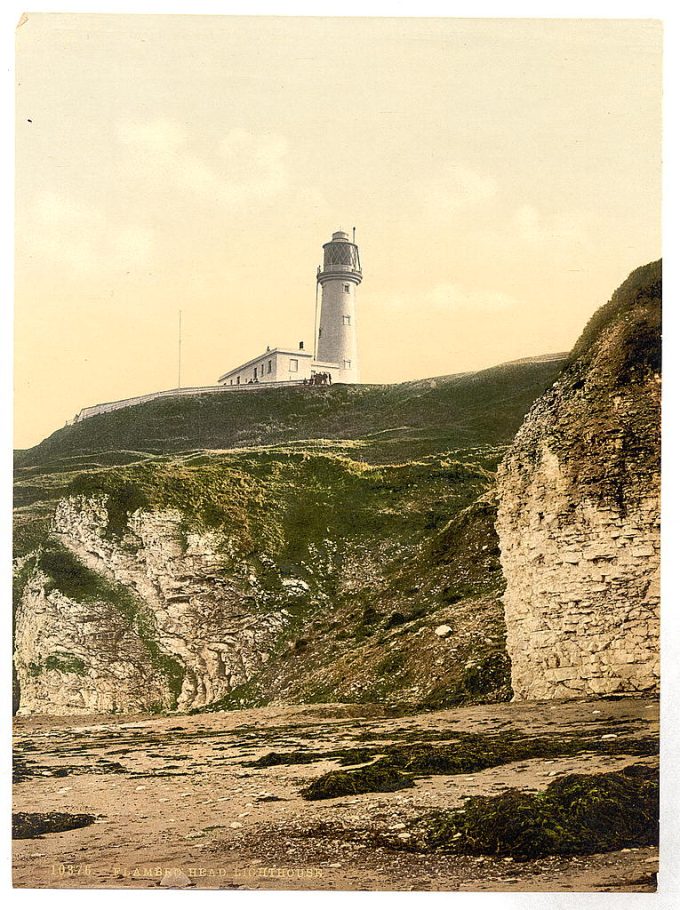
579, 508
170, 629
75, 658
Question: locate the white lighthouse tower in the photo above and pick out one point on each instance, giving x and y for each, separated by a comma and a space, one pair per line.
336, 340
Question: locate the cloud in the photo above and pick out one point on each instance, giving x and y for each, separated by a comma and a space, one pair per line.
55, 210
78, 237
160, 136
454, 298
240, 169
449, 298
457, 188
483, 211
562, 229
133, 244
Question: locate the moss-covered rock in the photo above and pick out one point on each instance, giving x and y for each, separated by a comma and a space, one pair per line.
28, 825
380, 777
576, 814
468, 754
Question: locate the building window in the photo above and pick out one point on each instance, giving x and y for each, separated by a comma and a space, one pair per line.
346, 287
346, 320
238, 380
231, 382
347, 364
261, 369
293, 366
269, 366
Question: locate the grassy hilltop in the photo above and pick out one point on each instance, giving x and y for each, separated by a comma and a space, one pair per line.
387, 421
378, 498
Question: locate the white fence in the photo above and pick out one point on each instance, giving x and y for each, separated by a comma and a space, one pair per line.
109, 406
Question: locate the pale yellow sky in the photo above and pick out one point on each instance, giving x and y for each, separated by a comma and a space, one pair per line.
503, 176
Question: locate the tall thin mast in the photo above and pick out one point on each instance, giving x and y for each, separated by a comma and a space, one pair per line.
179, 353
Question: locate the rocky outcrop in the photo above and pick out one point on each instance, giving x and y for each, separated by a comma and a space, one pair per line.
230, 580
168, 625
75, 658
578, 517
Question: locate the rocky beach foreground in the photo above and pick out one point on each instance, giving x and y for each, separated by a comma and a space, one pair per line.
214, 800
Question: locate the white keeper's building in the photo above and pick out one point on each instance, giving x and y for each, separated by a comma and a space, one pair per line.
335, 357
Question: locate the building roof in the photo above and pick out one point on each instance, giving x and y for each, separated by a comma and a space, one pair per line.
293, 352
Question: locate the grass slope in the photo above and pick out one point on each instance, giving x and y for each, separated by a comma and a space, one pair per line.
394, 421
378, 498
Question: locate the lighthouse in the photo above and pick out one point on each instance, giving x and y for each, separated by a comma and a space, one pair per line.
335, 354
336, 339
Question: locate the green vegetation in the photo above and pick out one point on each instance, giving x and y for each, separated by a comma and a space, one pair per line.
468, 754
303, 757
79, 583
66, 663
298, 513
636, 308
314, 484
576, 814
28, 825
28, 535
76, 581
392, 422
255, 498
602, 419
376, 778
247, 695
378, 500
488, 674
124, 499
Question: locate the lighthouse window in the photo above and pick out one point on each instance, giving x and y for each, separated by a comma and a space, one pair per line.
293, 366
346, 320
346, 289
347, 364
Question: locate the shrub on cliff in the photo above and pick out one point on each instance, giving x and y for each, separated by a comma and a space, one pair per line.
636, 308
